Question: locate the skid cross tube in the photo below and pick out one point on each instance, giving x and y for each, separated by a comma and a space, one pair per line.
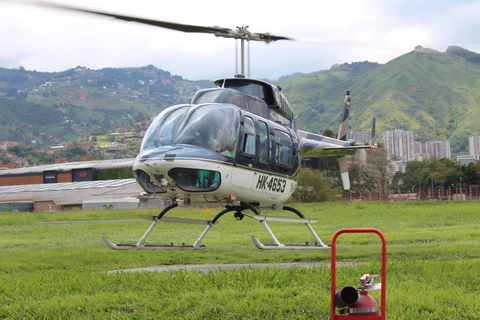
280, 246
333, 271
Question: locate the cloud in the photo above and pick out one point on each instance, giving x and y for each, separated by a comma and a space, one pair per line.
326, 33
408, 37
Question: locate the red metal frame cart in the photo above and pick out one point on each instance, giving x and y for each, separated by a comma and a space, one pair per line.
383, 275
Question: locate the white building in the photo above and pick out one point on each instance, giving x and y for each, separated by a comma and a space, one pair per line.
465, 160
417, 151
438, 149
474, 145
400, 144
397, 166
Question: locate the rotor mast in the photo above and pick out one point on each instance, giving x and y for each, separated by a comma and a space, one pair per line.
244, 35
242, 56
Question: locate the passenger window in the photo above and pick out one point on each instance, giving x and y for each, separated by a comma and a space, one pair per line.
263, 147
283, 148
249, 136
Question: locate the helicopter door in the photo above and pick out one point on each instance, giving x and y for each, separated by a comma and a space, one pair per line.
247, 155
248, 145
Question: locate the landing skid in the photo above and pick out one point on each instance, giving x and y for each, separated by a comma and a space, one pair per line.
114, 246
276, 245
140, 245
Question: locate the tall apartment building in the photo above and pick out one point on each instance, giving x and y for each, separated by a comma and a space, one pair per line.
417, 148
438, 149
400, 144
474, 145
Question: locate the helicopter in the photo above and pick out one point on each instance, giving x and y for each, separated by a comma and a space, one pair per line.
235, 145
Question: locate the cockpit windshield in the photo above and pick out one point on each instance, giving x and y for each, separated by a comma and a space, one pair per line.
163, 128
210, 126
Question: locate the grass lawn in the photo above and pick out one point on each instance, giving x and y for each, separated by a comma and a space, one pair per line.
52, 271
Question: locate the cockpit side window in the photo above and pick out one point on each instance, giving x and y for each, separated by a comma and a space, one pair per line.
263, 142
283, 148
249, 137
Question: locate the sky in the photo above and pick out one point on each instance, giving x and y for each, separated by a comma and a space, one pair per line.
325, 33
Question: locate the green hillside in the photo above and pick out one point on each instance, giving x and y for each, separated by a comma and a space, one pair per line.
431, 93
81, 100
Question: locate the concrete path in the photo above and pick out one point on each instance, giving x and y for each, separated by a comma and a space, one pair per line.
87, 221
223, 267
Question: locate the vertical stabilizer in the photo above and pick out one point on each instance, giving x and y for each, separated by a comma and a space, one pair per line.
342, 135
342, 130
342, 162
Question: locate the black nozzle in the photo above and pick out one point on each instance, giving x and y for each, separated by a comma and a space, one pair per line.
345, 297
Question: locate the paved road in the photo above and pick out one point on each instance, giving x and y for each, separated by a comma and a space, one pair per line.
223, 267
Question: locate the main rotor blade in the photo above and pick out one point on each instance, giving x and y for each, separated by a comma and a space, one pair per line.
157, 23
267, 37
241, 33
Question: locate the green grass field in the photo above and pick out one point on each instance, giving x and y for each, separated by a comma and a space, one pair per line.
52, 271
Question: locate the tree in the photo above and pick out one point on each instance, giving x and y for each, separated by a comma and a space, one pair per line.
107, 122
360, 179
98, 131
412, 177
11, 92
445, 172
433, 173
379, 163
74, 152
329, 133
397, 181
139, 117
476, 167
314, 186
133, 148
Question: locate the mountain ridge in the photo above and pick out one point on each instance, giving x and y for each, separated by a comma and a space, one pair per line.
88, 100
434, 94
